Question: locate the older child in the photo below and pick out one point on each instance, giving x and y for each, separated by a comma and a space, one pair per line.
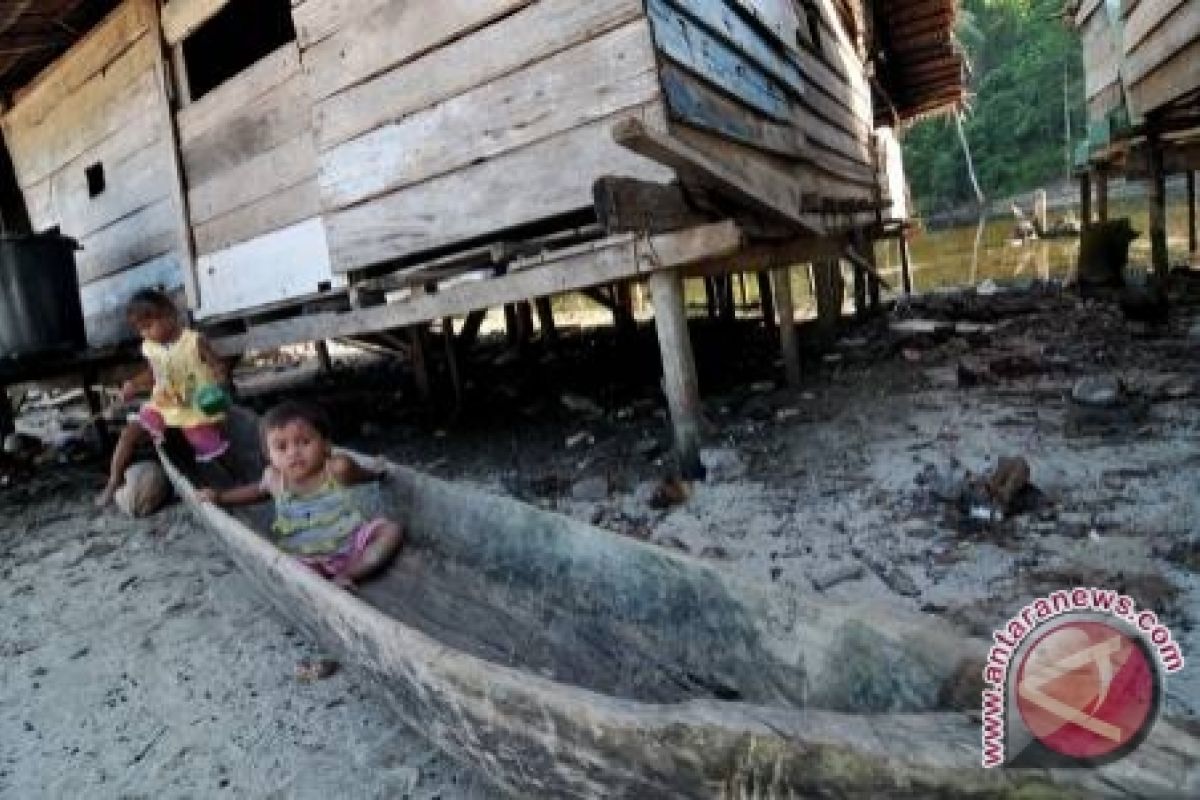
329, 526
180, 362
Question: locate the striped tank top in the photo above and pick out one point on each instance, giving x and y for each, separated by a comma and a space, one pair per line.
321, 521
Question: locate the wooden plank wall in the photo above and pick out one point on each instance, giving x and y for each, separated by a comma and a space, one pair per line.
440, 123
103, 103
1101, 43
746, 83
1162, 53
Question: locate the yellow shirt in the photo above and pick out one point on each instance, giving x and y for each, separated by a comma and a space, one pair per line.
179, 372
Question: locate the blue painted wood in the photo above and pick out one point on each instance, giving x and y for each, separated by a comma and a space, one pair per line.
681, 39
690, 102
755, 42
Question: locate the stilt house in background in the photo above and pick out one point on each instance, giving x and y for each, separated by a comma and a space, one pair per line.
299, 170
1141, 61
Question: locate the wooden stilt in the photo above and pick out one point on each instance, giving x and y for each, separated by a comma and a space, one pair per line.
512, 325
1158, 209
766, 300
324, 362
545, 313
452, 363
679, 369
874, 288
728, 309
905, 266
741, 279
470, 330
95, 410
1191, 212
782, 278
1101, 194
1085, 200
416, 337
710, 296
859, 278
7, 418
623, 310
830, 291
525, 322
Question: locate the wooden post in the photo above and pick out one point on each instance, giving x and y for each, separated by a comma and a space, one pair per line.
710, 296
766, 300
470, 329
452, 363
1101, 194
874, 289
1085, 201
859, 277
95, 410
324, 362
545, 312
623, 310
905, 266
782, 278
728, 309
679, 369
827, 275
416, 337
1158, 209
7, 418
1191, 212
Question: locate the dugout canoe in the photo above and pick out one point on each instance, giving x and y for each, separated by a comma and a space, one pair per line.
561, 660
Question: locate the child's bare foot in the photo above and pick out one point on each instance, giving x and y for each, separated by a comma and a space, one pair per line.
106, 497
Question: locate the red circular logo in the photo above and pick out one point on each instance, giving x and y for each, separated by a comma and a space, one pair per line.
1087, 689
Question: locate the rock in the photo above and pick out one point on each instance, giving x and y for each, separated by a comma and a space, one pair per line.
784, 414
577, 404
145, 490
1103, 391
310, 670
1009, 479
648, 447
590, 490
580, 438
988, 288
671, 492
831, 578
722, 464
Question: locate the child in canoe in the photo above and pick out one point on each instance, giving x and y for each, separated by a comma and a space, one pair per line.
320, 515
180, 368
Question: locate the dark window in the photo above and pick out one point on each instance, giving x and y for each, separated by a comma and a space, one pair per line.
239, 35
95, 179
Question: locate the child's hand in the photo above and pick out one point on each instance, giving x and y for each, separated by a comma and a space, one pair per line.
129, 390
207, 495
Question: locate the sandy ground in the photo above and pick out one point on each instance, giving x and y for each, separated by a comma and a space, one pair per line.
135, 661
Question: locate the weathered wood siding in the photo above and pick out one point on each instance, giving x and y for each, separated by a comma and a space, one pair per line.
1162, 53
438, 123
104, 103
1147, 51
748, 84
250, 166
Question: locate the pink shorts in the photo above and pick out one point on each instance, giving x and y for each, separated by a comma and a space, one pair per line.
208, 440
334, 564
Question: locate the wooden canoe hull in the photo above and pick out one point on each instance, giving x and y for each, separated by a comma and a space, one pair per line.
540, 737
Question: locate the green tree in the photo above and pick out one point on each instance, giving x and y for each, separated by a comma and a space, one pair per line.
1019, 51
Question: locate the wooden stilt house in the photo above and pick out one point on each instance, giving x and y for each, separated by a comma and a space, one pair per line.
307, 169
1141, 61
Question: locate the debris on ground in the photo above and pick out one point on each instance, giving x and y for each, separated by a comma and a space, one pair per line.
311, 670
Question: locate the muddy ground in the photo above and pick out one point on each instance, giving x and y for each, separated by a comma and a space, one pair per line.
135, 661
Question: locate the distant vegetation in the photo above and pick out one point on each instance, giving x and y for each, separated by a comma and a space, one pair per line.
1021, 54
